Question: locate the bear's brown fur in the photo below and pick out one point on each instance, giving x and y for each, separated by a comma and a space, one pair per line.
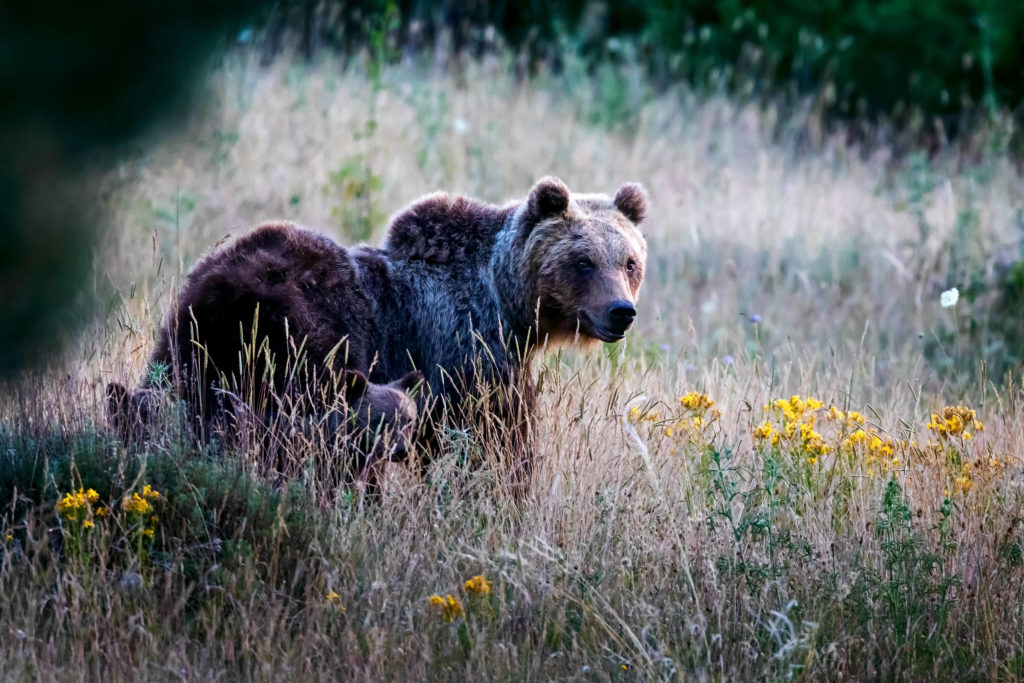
267, 331
462, 290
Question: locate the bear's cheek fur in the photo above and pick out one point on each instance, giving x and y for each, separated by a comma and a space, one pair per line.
560, 292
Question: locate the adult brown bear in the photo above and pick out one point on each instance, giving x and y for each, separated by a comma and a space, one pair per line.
462, 291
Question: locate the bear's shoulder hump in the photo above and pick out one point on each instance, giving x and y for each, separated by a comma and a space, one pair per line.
439, 229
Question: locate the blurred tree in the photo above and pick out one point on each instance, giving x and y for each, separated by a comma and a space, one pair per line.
78, 80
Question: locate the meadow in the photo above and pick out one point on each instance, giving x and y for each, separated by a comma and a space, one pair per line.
799, 464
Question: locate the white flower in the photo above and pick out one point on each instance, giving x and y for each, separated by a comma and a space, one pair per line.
460, 125
950, 297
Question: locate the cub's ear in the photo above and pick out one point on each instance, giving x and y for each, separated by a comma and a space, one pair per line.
631, 201
410, 381
355, 385
548, 198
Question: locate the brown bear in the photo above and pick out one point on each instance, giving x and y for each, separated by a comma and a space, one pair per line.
462, 291
466, 292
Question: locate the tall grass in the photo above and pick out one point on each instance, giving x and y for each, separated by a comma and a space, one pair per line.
661, 538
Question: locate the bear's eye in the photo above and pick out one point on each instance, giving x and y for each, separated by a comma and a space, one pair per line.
630, 265
584, 264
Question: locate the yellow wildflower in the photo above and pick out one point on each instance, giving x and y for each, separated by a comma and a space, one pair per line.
812, 440
149, 494
137, 504
478, 585
88, 524
955, 421
77, 504
766, 432
73, 501
878, 447
856, 438
449, 606
696, 401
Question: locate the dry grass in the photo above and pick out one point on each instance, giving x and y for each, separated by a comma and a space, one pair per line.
648, 548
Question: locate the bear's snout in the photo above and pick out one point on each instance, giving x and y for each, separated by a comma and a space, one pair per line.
620, 316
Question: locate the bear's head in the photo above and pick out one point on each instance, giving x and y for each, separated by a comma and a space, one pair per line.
382, 416
130, 413
583, 260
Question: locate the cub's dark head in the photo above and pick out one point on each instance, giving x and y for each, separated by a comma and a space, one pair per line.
384, 415
130, 413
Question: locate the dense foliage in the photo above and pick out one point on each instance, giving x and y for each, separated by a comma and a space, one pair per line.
866, 58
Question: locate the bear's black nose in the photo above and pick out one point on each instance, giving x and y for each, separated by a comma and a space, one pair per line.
621, 314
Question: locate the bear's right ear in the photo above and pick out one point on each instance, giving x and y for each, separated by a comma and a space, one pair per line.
631, 201
355, 385
548, 198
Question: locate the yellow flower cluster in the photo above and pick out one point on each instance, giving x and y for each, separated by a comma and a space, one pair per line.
796, 409
880, 454
813, 443
140, 504
701, 415
449, 606
795, 422
77, 504
963, 483
797, 418
696, 402
766, 432
478, 585
955, 421
82, 506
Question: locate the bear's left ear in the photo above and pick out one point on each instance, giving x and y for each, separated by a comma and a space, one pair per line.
548, 198
631, 201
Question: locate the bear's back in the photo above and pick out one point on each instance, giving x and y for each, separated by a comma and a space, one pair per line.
294, 287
